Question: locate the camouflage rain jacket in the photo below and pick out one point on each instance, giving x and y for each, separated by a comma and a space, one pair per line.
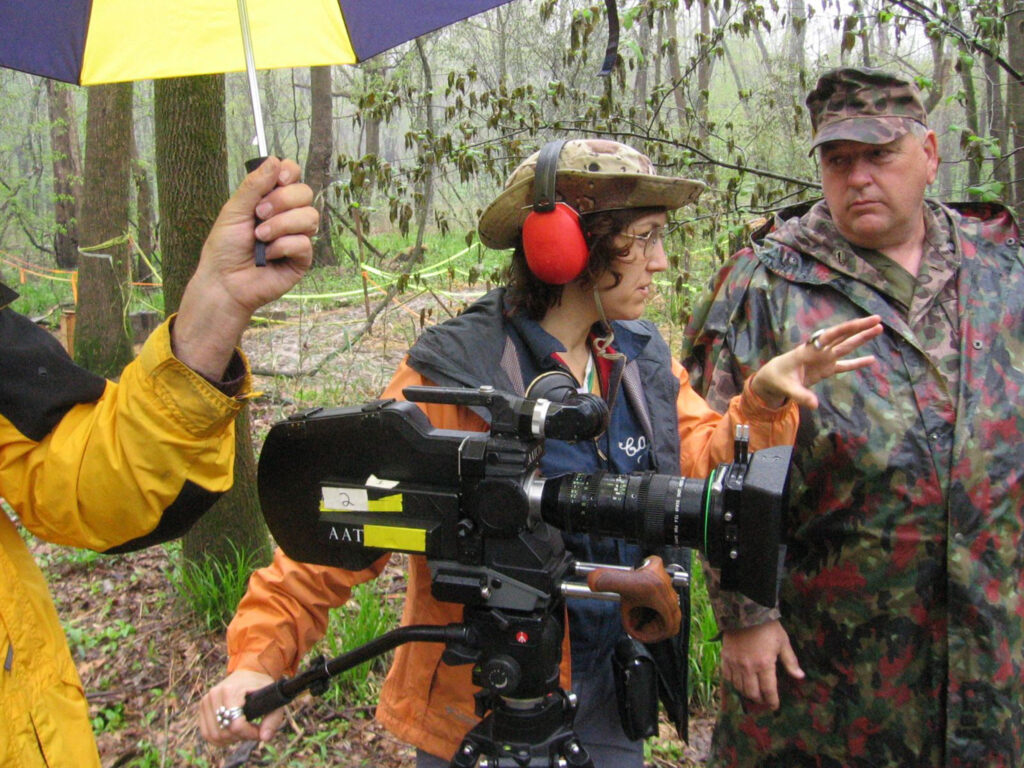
903, 590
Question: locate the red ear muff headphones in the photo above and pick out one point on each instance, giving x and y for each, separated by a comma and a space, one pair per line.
556, 250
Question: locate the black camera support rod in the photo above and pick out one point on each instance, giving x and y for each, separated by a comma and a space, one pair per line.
316, 676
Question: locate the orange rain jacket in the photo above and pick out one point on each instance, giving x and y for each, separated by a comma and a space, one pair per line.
424, 702
86, 463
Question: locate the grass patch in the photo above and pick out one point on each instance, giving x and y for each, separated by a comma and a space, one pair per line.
109, 719
38, 296
367, 615
705, 649
211, 589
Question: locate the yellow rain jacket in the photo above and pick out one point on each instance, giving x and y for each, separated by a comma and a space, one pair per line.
86, 462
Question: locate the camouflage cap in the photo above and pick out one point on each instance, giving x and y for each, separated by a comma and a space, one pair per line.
592, 175
866, 105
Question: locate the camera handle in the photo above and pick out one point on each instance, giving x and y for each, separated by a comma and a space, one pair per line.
680, 580
316, 676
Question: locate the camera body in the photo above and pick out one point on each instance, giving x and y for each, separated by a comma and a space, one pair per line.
343, 486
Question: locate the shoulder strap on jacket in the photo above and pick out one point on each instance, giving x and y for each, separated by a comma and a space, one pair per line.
510, 365
634, 389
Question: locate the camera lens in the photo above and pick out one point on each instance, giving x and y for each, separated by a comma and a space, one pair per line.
654, 510
733, 517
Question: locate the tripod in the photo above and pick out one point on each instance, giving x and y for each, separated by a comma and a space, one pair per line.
527, 718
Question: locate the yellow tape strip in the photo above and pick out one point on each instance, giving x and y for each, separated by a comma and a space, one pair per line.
385, 504
393, 537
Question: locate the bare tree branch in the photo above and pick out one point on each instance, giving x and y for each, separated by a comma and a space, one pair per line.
928, 15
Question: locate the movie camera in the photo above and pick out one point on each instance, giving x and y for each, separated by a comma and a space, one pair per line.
342, 486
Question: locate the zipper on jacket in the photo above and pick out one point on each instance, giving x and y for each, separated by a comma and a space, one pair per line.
9, 658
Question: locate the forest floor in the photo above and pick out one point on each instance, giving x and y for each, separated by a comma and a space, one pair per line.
145, 664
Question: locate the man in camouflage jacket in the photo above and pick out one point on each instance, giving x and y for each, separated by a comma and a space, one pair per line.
899, 634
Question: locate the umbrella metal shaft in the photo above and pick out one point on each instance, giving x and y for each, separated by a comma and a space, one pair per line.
250, 68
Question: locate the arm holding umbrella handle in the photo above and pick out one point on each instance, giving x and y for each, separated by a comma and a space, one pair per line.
259, 254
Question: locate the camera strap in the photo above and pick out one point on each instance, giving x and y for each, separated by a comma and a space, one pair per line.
509, 363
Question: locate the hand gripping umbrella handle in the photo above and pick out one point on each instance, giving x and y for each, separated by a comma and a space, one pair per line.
259, 254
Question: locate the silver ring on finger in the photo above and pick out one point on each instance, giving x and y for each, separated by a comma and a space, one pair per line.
227, 715
815, 339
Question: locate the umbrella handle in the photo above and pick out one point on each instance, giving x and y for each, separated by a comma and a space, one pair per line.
259, 253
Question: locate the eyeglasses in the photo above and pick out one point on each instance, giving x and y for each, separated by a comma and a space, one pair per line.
655, 236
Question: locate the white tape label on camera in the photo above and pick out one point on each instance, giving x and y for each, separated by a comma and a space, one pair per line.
335, 499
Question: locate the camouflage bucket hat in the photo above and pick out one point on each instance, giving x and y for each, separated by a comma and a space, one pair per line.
592, 175
866, 105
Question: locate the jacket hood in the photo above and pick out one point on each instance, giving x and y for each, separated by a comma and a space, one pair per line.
789, 229
473, 339
813, 251
807, 253
466, 350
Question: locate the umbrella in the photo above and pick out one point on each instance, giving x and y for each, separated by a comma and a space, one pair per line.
88, 42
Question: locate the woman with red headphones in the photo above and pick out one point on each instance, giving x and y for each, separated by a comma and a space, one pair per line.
586, 220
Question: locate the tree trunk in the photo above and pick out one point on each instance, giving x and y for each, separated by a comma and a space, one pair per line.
145, 236
937, 120
865, 35
67, 173
371, 136
191, 159
766, 57
940, 71
1015, 103
426, 186
704, 73
672, 61
643, 67
883, 41
102, 342
266, 86
972, 118
318, 159
997, 121
798, 34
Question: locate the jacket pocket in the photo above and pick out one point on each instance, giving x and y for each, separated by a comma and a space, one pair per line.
60, 716
19, 744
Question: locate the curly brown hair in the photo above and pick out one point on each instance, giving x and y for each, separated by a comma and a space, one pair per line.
528, 294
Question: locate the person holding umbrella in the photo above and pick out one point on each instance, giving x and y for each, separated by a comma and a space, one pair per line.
586, 219
113, 467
